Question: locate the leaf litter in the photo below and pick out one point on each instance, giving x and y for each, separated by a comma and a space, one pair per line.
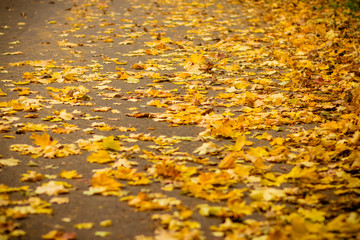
271, 87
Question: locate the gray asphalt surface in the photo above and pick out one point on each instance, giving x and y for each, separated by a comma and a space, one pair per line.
27, 21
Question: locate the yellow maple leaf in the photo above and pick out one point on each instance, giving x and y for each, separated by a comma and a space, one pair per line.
219, 6
228, 161
84, 225
64, 115
102, 109
70, 174
106, 223
193, 64
156, 103
43, 140
10, 162
103, 180
240, 207
29, 127
258, 152
56, 234
31, 176
111, 144
267, 194
240, 142
259, 163
100, 156
197, 58
208, 148
313, 215
59, 200
102, 233
123, 75
143, 202
299, 228
53, 188
139, 180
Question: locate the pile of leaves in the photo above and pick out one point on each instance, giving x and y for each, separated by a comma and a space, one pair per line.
259, 100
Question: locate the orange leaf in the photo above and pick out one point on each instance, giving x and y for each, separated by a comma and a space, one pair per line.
101, 156
70, 174
43, 140
240, 142
228, 161
101, 179
259, 163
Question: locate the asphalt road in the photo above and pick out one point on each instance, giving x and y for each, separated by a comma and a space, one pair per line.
126, 78
35, 27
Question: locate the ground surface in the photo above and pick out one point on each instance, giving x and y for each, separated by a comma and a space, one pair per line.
179, 120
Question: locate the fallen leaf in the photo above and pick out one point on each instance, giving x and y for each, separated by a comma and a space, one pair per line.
228, 161
101, 156
10, 162
53, 188
208, 148
103, 180
31, 176
70, 174
59, 200
102, 233
43, 140
57, 235
106, 223
111, 144
13, 53
87, 225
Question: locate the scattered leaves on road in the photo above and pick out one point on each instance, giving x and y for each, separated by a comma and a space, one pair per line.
259, 100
